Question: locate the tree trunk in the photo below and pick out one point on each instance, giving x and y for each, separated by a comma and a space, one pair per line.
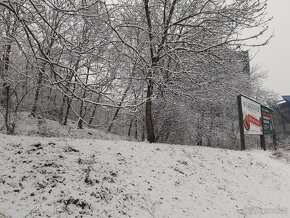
61, 110
83, 107
94, 111
143, 130
199, 131
11, 28
122, 101
80, 121
68, 107
114, 117
148, 114
130, 128
93, 115
6, 90
136, 128
38, 88
209, 134
64, 115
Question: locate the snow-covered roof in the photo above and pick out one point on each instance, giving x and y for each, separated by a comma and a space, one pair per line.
285, 102
286, 98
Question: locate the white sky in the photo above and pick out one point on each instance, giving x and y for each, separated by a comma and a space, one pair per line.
275, 57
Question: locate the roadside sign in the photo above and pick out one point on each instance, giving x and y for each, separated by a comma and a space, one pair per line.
255, 119
267, 120
251, 113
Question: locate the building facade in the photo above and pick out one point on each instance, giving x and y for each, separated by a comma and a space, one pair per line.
282, 116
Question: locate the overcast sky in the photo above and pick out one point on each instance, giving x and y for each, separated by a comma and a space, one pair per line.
275, 57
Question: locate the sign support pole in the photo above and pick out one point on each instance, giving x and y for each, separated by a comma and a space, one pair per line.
262, 140
275, 141
268, 125
274, 137
262, 137
242, 134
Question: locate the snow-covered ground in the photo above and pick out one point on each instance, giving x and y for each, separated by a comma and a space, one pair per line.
61, 177
28, 125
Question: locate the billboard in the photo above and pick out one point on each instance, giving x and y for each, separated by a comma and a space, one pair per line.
251, 114
267, 120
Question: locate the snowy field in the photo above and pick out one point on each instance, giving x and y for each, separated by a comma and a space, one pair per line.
61, 177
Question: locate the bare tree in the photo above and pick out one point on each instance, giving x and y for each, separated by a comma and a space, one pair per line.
174, 50
179, 35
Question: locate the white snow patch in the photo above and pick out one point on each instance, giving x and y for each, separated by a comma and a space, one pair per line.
56, 177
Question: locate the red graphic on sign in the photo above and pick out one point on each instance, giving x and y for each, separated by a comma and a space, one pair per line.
254, 120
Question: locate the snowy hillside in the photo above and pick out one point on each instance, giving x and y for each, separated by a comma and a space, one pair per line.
28, 125
55, 177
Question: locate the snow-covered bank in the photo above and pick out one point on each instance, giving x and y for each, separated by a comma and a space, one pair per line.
30, 126
55, 177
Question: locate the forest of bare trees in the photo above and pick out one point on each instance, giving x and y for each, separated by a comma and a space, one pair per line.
162, 70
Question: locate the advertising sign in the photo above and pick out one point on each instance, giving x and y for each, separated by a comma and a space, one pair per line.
267, 120
251, 112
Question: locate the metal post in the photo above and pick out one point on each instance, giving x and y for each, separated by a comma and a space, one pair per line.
242, 134
274, 136
262, 140
275, 144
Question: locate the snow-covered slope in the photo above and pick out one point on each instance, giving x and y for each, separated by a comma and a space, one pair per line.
28, 125
54, 177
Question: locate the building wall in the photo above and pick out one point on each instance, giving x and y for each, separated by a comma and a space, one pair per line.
282, 119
